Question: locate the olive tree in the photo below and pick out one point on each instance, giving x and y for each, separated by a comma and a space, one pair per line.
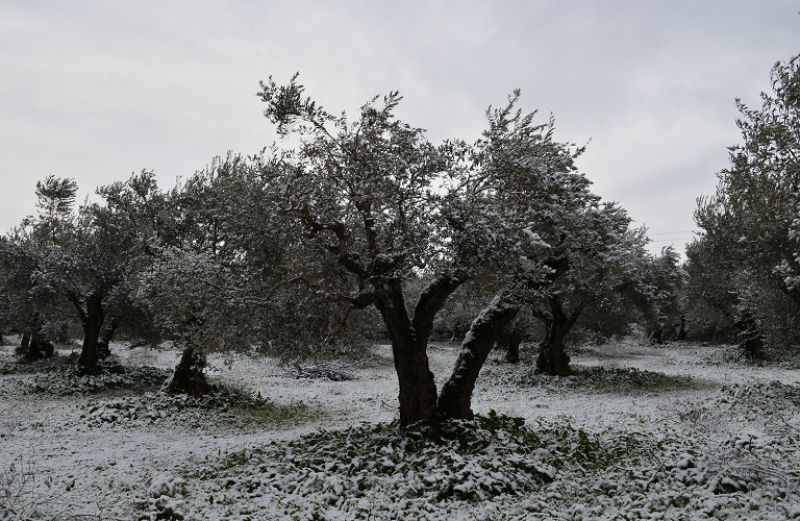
750, 224
226, 279
388, 205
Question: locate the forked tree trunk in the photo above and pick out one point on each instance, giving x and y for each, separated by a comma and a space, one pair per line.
417, 395
92, 319
455, 400
189, 377
553, 359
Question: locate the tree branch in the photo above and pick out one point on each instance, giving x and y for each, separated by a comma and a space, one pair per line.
342, 249
76, 301
433, 298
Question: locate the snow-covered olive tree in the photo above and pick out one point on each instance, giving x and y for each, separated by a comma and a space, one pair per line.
22, 307
388, 205
665, 280
81, 259
226, 279
752, 222
603, 261
194, 280
31, 301
366, 192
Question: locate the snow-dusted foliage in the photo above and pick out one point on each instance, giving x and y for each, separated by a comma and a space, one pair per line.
65, 381
78, 262
595, 380
224, 279
375, 472
749, 245
222, 407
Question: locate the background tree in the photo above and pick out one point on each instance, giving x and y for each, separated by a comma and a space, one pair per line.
601, 256
226, 279
22, 307
751, 222
30, 301
665, 277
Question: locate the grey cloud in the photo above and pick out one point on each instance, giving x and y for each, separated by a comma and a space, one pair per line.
95, 90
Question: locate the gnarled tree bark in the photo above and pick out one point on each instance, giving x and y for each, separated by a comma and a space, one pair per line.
455, 400
553, 359
381, 285
92, 316
409, 337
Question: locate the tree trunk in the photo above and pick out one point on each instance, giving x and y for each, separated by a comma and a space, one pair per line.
417, 395
553, 359
189, 377
657, 336
103, 349
682, 330
750, 338
39, 347
455, 400
510, 339
34, 345
92, 324
25, 343
512, 352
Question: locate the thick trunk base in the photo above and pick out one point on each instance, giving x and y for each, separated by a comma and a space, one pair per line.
417, 387
35, 347
682, 330
512, 353
553, 360
24, 343
89, 361
189, 377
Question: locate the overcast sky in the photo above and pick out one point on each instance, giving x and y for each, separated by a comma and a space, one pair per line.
97, 90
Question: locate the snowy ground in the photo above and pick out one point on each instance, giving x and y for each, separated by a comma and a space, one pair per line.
714, 439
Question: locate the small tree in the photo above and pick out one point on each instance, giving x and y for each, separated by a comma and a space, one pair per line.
22, 306
710, 290
665, 277
30, 299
